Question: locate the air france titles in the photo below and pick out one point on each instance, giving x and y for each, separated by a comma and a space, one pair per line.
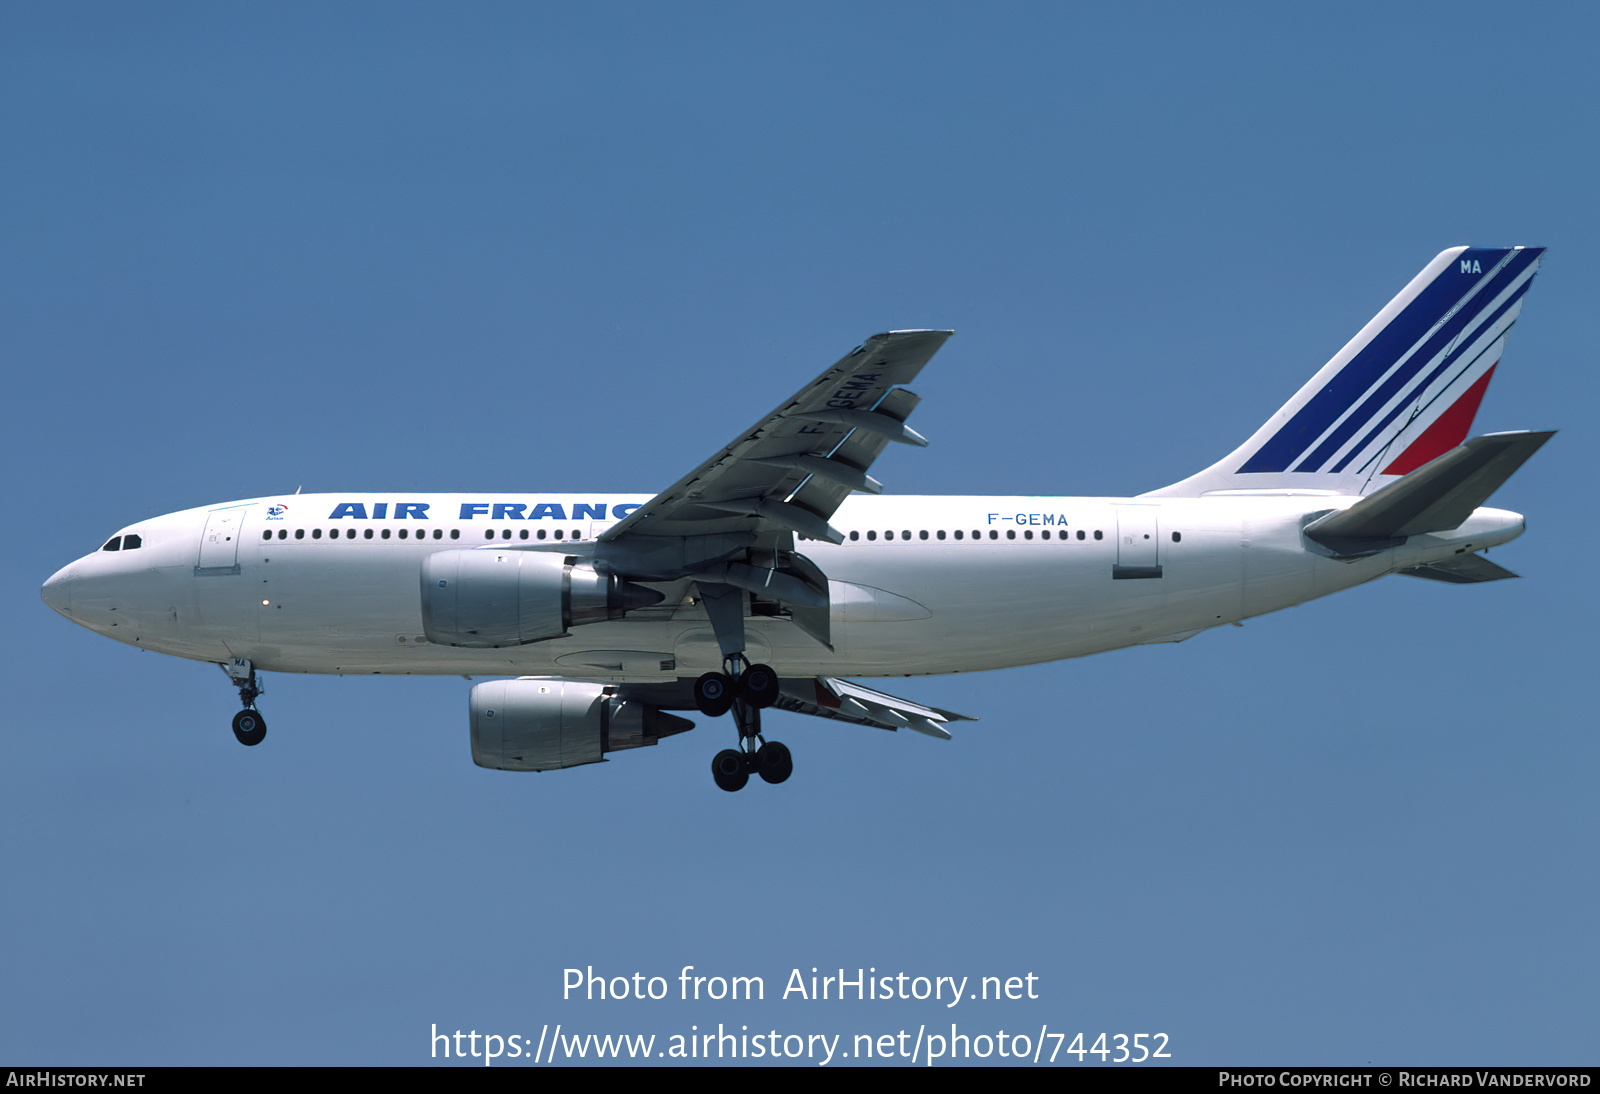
403, 510
545, 510
495, 510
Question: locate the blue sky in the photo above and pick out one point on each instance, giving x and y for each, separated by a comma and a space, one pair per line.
561, 247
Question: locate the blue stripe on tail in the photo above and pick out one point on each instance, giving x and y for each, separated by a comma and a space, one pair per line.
1469, 318
1363, 372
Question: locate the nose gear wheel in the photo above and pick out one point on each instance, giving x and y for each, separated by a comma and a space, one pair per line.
249, 727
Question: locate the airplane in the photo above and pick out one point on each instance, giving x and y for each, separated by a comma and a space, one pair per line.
778, 567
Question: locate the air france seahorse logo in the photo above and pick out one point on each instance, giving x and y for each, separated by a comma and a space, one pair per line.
275, 512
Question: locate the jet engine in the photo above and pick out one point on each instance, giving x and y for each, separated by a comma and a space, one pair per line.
487, 598
541, 723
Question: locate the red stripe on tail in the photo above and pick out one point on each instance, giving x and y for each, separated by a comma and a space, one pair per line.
1445, 433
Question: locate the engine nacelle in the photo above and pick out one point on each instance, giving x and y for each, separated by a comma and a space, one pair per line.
541, 723
487, 598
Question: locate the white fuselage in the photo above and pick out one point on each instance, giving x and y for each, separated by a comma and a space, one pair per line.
1030, 579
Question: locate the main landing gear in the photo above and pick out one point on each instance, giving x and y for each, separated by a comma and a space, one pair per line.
746, 690
248, 725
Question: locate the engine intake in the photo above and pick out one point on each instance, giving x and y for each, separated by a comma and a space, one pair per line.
486, 598
542, 723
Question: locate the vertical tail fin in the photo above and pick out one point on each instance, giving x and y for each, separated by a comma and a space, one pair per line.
1401, 392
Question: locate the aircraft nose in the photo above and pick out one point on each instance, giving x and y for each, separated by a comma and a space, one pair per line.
57, 592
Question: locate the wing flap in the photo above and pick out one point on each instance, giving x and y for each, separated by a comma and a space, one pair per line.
841, 700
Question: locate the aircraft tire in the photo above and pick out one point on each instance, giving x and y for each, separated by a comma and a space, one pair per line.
758, 686
773, 762
249, 727
729, 770
713, 694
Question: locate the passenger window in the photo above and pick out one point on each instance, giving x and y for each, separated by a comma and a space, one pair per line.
522, 534
922, 534
1011, 533
455, 533
1029, 535
316, 533
267, 534
299, 533
351, 534
1045, 534
402, 533
541, 533
872, 535
888, 535
958, 533
1177, 537
905, 535
558, 533
488, 533
855, 535
941, 533
384, 534
283, 533
1099, 534
113, 544
995, 535
368, 533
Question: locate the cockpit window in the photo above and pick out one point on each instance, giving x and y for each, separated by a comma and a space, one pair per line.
113, 544
130, 543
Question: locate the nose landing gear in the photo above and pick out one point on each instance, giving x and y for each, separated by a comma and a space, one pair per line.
746, 690
248, 725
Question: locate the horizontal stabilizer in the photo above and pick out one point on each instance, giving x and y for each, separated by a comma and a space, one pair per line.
827, 697
1465, 569
1435, 497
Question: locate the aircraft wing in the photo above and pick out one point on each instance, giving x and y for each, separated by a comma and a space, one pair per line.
828, 697
790, 471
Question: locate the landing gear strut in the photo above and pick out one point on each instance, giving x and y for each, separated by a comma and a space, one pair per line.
746, 690
743, 688
248, 725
